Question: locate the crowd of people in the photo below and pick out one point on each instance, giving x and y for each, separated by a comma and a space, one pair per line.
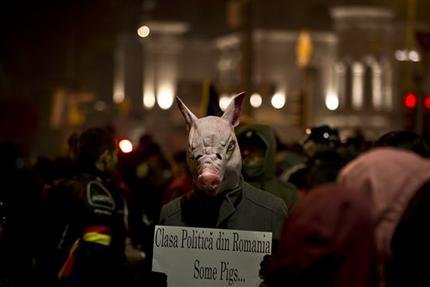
355, 210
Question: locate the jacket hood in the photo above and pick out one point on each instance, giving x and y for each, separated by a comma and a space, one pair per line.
391, 177
268, 168
328, 240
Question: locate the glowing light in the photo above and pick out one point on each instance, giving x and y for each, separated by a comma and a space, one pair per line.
143, 31
118, 90
427, 102
119, 74
278, 100
224, 100
407, 55
331, 101
308, 131
148, 98
255, 100
165, 97
125, 146
414, 56
118, 97
410, 100
401, 55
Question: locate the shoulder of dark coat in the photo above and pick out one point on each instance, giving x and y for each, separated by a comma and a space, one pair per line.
75, 182
278, 186
62, 185
75, 186
264, 199
171, 208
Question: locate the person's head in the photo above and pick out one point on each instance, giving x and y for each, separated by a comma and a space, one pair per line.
72, 145
320, 138
391, 176
252, 149
97, 149
213, 155
258, 149
407, 140
323, 167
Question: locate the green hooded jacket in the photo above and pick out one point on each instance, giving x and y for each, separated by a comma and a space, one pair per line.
264, 175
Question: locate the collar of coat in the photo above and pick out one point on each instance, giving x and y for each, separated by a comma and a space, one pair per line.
224, 204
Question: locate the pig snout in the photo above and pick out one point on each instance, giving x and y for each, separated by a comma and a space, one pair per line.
209, 181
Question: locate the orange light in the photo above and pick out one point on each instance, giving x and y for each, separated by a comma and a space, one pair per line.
125, 146
427, 102
410, 100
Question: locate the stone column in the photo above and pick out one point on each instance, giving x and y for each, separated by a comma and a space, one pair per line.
161, 49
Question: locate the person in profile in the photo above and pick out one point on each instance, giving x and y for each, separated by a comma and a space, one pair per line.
83, 220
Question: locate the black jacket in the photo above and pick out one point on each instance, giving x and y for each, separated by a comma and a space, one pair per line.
83, 232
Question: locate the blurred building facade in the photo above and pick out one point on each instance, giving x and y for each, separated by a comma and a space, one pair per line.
351, 80
353, 66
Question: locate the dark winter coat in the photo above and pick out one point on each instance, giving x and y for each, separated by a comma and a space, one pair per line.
244, 208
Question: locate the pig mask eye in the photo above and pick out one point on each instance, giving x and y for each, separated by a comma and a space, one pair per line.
230, 148
193, 155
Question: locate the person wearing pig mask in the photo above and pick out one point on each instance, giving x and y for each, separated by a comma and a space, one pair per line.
220, 197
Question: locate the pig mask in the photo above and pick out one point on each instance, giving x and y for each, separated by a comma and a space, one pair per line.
213, 154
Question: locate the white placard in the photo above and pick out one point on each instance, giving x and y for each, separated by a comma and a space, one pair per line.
209, 257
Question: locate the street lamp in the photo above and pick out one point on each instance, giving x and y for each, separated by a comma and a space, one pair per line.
278, 100
407, 55
224, 100
143, 31
331, 101
255, 100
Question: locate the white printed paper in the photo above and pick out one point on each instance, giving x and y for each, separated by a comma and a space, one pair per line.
209, 257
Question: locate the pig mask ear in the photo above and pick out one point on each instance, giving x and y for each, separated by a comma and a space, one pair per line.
189, 117
232, 113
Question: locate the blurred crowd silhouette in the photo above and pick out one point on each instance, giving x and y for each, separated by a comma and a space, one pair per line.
357, 209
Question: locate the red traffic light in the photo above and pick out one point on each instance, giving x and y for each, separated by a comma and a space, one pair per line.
411, 100
427, 102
